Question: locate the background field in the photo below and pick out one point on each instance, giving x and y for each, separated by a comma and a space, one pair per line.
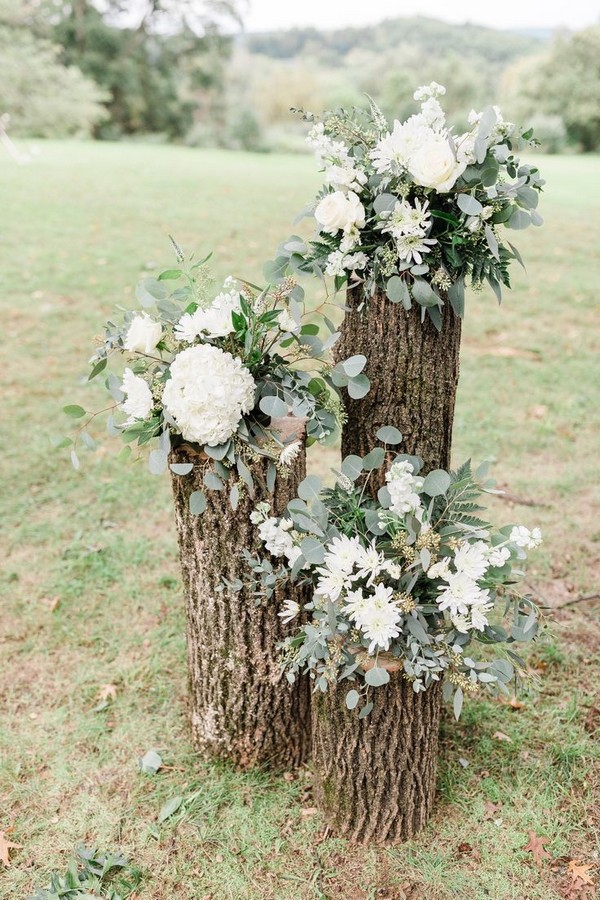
90, 585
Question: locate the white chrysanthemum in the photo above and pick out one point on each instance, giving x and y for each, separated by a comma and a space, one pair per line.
143, 334
139, 402
396, 149
211, 321
408, 219
208, 393
402, 486
343, 552
331, 583
410, 248
472, 559
290, 611
440, 569
370, 563
524, 538
378, 618
460, 593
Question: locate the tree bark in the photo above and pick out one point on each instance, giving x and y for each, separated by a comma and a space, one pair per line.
375, 777
242, 709
414, 374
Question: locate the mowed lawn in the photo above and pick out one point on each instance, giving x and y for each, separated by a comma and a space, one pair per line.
92, 643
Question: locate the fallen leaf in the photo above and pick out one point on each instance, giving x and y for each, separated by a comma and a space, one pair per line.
150, 762
490, 809
537, 412
579, 871
536, 847
107, 692
5, 847
500, 736
308, 811
464, 847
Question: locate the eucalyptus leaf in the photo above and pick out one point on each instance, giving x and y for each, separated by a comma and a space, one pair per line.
389, 435
359, 387
197, 503
352, 467
377, 676
181, 468
436, 483
274, 407
469, 204
352, 698
354, 365
374, 459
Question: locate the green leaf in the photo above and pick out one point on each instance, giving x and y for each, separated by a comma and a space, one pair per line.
310, 488
150, 762
271, 476
181, 468
274, 407
397, 291
157, 462
197, 503
213, 482
436, 483
458, 703
387, 434
170, 275
359, 387
97, 368
469, 204
246, 475
374, 459
313, 551
519, 219
354, 365
352, 467
352, 698
377, 676
492, 242
234, 497
384, 203
169, 808
74, 460
424, 294
366, 710
74, 411
456, 296
149, 290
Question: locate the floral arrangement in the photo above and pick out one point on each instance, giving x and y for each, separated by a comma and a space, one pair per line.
218, 372
412, 580
414, 210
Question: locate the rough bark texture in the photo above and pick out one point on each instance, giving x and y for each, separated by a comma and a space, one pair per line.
414, 374
242, 709
375, 777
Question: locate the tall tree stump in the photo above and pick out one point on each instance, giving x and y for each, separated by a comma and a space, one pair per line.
242, 709
375, 777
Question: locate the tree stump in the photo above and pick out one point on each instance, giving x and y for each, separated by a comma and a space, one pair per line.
243, 709
375, 777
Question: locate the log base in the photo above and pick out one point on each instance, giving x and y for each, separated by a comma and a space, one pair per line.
375, 777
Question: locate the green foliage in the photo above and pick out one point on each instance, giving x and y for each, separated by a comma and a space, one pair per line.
90, 873
43, 97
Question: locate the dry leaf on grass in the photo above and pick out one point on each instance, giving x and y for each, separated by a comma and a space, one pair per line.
490, 809
536, 847
580, 871
500, 736
5, 847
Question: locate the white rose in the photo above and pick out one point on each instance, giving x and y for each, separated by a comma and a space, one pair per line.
139, 401
338, 210
143, 335
434, 165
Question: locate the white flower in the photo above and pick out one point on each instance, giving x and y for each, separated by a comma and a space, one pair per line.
497, 556
139, 402
435, 164
208, 393
411, 247
478, 618
433, 114
211, 321
350, 239
345, 178
326, 149
287, 323
338, 263
460, 593
393, 569
338, 210
406, 219
524, 538
356, 603
143, 334
290, 611
290, 453
394, 151
440, 569
433, 89
472, 559
402, 486
275, 535
342, 554
331, 583
378, 618
370, 563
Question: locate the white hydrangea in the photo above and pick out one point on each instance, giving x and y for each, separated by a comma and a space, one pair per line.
210, 321
208, 393
326, 149
143, 334
403, 487
278, 540
524, 538
139, 401
346, 177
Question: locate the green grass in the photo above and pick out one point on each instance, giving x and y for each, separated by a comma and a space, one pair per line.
90, 582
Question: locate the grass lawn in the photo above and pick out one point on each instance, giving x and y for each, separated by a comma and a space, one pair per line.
89, 581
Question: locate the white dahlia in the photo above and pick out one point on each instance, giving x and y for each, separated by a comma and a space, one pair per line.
208, 393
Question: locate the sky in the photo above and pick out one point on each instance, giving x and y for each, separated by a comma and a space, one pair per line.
268, 15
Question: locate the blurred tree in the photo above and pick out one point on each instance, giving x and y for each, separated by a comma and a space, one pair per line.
42, 97
161, 62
